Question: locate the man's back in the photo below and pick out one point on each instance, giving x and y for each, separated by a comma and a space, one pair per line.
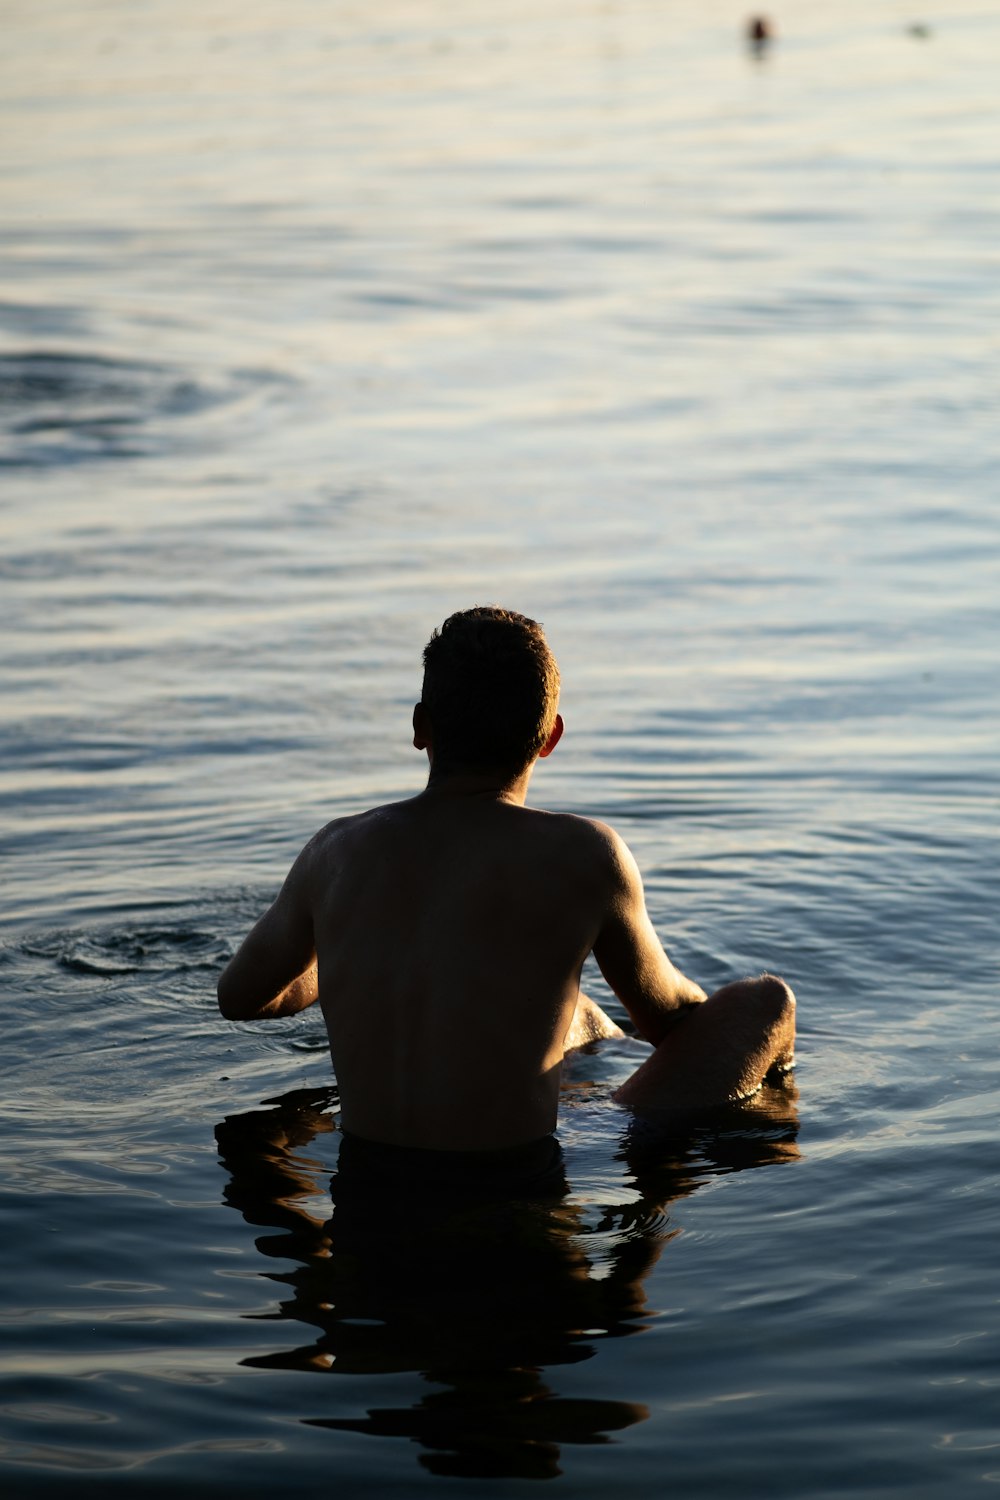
450, 933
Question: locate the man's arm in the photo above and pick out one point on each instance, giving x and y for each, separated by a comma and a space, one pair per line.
630, 955
273, 973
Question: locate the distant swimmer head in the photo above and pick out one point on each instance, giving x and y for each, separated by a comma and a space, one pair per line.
491, 693
760, 32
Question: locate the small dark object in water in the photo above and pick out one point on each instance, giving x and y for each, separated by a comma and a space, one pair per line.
920, 31
760, 32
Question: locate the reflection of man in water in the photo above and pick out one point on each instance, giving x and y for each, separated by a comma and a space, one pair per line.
486, 1301
444, 937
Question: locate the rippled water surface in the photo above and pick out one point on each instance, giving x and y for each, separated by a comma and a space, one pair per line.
318, 321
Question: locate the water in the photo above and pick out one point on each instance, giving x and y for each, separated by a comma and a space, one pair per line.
317, 322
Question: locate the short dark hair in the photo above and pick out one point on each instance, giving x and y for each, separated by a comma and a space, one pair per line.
491, 690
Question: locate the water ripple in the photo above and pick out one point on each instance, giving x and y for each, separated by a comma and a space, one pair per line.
60, 407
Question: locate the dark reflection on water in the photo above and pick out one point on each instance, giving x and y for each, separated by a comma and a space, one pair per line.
59, 407
482, 1298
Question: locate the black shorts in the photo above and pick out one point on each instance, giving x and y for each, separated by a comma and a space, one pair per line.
532, 1170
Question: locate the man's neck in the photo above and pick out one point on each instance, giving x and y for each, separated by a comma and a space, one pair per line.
483, 785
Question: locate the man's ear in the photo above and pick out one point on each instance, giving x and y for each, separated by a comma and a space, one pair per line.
421, 728
553, 739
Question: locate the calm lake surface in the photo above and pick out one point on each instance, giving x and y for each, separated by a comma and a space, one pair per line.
319, 321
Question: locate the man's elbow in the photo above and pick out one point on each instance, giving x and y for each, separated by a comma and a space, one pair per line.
665, 1021
228, 993
224, 998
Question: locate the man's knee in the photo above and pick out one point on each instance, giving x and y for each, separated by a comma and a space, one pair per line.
775, 999
775, 1015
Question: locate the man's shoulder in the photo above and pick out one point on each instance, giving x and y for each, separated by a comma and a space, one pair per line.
350, 830
393, 828
589, 837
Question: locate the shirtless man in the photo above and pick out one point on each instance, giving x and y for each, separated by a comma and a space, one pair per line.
444, 936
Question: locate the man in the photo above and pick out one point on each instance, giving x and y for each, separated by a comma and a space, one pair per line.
444, 936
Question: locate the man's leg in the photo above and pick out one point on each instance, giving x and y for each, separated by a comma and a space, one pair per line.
720, 1051
590, 1024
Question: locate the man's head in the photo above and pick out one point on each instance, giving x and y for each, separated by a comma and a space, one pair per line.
490, 694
